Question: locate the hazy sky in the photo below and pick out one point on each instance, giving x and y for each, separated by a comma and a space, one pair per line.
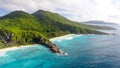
77, 10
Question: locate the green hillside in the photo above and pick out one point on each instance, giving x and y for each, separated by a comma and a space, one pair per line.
21, 28
56, 23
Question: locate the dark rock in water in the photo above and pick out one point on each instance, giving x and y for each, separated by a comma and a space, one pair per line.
51, 46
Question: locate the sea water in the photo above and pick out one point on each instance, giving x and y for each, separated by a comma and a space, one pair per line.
84, 51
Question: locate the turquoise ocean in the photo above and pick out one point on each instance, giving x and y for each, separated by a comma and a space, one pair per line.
84, 51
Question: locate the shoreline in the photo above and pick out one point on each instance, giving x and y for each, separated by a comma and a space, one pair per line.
61, 37
4, 50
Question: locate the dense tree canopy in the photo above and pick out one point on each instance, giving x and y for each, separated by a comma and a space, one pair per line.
18, 27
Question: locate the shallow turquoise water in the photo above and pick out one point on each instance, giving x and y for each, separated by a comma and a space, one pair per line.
86, 51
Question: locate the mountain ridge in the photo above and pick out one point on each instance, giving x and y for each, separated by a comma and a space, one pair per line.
21, 28
98, 22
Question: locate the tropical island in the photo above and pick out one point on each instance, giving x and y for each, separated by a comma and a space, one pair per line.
21, 28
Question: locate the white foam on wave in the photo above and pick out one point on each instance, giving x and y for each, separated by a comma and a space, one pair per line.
66, 37
63, 54
3, 52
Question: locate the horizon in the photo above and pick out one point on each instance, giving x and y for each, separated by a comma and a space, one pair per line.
75, 10
61, 15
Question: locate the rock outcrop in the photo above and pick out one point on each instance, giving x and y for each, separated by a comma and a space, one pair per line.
51, 46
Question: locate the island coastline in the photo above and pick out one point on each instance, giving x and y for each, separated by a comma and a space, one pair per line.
3, 50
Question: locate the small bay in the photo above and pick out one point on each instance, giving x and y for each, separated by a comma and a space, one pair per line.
96, 51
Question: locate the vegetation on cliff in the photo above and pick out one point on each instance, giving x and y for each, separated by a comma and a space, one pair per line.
21, 28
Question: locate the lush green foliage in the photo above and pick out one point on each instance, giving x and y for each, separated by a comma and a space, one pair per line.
20, 27
58, 23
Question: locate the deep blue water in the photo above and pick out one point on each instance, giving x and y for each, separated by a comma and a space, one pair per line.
86, 51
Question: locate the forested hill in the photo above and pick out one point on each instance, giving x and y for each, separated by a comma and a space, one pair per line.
57, 23
20, 28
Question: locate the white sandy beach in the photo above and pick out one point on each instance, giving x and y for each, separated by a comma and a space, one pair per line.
69, 36
4, 50
65, 37
13, 48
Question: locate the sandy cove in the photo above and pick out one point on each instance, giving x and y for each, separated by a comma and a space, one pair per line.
4, 50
